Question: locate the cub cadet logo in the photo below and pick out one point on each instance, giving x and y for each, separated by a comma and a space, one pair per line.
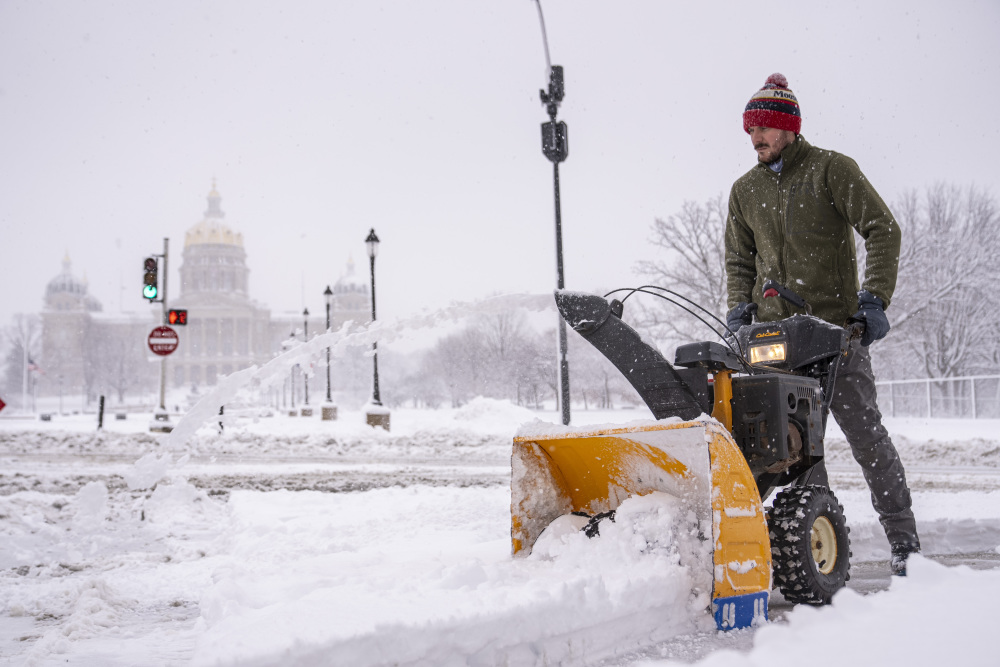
767, 334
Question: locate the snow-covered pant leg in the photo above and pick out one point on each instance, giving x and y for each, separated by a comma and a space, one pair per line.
856, 411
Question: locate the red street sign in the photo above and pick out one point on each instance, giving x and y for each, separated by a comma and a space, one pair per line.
2, 404
162, 341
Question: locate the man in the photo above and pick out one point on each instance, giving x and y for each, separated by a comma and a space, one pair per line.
792, 219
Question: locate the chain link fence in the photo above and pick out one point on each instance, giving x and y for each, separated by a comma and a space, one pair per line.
971, 397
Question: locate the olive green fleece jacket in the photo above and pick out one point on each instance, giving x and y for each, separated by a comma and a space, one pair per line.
797, 227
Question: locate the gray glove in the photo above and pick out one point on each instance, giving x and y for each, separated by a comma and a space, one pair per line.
741, 316
871, 311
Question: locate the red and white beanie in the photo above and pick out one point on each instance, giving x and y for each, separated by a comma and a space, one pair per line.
774, 105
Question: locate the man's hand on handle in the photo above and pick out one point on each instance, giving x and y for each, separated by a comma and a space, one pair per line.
871, 311
741, 315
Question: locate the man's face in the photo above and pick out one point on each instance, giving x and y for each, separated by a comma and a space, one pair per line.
769, 142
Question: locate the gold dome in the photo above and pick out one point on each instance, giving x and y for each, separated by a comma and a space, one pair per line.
212, 230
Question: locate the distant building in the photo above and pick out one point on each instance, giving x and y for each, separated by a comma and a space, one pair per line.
85, 351
226, 329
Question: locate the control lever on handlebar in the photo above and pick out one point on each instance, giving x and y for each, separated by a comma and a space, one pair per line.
773, 288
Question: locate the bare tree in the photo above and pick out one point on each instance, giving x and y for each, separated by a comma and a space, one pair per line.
692, 263
115, 358
944, 310
23, 339
456, 360
596, 383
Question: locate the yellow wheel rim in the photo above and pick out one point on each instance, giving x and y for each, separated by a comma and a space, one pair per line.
823, 540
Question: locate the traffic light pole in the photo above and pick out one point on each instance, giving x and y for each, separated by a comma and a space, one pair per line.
162, 413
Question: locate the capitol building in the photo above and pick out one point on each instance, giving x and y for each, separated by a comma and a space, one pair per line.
88, 352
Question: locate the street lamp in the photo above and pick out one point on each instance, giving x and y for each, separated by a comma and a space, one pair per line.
376, 415
306, 410
329, 411
288, 345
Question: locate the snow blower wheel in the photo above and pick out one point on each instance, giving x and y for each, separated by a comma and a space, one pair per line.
809, 544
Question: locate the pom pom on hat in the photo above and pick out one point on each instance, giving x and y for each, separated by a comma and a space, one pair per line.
776, 80
774, 105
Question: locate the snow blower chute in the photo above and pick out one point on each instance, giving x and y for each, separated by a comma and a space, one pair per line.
765, 431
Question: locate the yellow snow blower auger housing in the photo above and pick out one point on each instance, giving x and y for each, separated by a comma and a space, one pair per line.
765, 431
594, 471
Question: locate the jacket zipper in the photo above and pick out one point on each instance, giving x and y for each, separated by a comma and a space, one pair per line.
784, 244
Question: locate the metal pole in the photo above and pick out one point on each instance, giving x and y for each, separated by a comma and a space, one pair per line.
24, 370
328, 353
929, 409
561, 284
305, 339
163, 302
972, 381
376, 400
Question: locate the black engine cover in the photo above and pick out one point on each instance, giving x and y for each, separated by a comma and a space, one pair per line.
765, 410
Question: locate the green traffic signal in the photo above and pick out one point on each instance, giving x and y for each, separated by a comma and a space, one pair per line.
150, 269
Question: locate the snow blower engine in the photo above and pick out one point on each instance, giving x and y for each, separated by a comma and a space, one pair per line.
768, 391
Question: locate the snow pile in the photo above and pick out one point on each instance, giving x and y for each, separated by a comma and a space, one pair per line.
948, 522
935, 616
926, 451
91, 505
99, 570
492, 414
424, 576
147, 471
85, 608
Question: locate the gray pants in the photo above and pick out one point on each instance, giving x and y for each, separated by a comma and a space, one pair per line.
856, 411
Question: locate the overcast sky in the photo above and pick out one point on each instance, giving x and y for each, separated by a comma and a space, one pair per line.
320, 120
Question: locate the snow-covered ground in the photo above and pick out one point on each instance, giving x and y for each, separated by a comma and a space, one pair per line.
290, 541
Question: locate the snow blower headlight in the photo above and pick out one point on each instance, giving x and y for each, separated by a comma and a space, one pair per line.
764, 354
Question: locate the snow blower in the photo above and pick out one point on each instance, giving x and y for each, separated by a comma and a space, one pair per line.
768, 391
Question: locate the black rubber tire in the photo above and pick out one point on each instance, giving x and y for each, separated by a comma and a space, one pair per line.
796, 574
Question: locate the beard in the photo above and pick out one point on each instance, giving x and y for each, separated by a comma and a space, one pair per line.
769, 155
772, 149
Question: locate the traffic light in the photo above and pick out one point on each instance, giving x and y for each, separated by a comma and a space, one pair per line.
149, 289
177, 317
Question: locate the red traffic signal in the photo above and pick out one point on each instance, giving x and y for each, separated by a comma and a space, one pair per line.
177, 317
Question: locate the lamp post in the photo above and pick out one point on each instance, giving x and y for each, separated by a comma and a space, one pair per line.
287, 345
329, 411
306, 410
376, 415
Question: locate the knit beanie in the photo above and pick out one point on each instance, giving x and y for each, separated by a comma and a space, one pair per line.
774, 105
